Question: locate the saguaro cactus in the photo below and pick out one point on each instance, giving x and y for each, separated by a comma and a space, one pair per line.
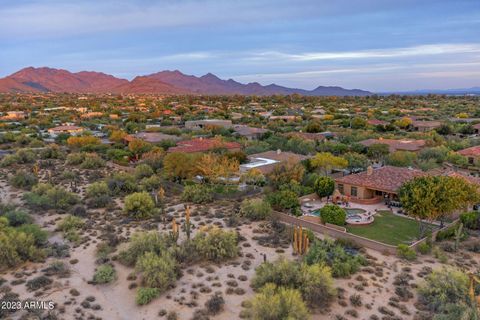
458, 235
174, 233
36, 169
300, 241
474, 300
187, 222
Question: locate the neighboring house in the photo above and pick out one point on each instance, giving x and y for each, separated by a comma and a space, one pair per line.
397, 145
284, 118
476, 127
472, 154
424, 126
14, 115
90, 115
376, 122
68, 129
250, 133
202, 124
266, 161
373, 185
320, 136
151, 137
204, 145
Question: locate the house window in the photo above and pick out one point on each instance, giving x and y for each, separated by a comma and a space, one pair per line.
340, 188
353, 191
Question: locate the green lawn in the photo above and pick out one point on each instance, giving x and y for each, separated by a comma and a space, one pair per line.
388, 228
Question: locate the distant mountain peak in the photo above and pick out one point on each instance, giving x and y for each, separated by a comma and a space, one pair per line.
45, 79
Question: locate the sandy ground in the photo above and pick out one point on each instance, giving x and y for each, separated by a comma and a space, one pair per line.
375, 283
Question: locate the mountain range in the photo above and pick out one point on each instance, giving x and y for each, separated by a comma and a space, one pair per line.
165, 82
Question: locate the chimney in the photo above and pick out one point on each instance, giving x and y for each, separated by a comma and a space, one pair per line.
369, 170
279, 151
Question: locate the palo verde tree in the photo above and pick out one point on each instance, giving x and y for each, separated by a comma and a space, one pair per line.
325, 161
430, 198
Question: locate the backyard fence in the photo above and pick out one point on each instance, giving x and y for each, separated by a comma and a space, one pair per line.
341, 233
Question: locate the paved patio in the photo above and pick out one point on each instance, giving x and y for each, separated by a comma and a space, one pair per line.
311, 205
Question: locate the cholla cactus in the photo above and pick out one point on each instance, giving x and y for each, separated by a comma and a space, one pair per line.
160, 196
458, 235
475, 300
300, 241
187, 222
36, 169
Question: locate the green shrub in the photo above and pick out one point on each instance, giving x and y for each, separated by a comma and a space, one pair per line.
448, 233
405, 252
104, 274
141, 243
122, 183
139, 205
23, 180
342, 262
45, 196
273, 303
440, 255
215, 304
70, 223
471, 220
143, 171
255, 209
315, 281
216, 244
151, 183
92, 161
317, 286
40, 236
158, 271
16, 246
284, 200
197, 193
146, 295
424, 248
98, 195
97, 189
75, 158
8, 160
281, 272
443, 287
25, 156
333, 214
18, 217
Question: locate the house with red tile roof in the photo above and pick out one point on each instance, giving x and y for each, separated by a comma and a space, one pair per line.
472, 154
476, 127
397, 145
373, 185
424, 126
266, 161
376, 122
204, 145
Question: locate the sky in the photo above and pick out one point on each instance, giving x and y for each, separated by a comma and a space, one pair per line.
377, 45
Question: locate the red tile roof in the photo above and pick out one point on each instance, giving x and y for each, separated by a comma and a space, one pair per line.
472, 151
394, 145
203, 145
374, 122
388, 178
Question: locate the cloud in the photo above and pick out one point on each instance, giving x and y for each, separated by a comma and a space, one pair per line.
59, 18
421, 50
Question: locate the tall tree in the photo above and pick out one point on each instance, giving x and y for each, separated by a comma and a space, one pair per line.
431, 198
325, 161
